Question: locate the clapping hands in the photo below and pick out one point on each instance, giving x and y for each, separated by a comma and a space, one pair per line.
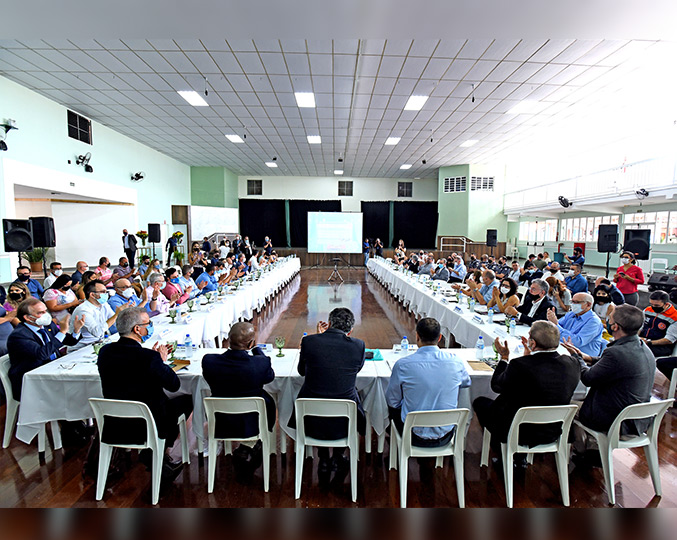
322, 326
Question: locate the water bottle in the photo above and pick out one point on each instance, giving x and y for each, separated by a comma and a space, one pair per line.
188, 344
513, 326
479, 348
404, 344
490, 315
471, 304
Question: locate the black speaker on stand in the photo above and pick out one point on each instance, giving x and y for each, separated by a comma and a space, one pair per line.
637, 242
607, 241
154, 235
492, 239
18, 236
43, 232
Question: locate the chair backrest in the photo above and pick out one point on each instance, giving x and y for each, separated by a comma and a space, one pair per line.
443, 418
653, 409
521, 291
325, 407
658, 265
4, 376
541, 415
124, 409
235, 406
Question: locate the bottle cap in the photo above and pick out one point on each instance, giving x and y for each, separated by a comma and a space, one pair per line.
405, 337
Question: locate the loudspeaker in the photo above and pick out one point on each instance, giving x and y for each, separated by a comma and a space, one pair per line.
43, 231
607, 239
18, 234
154, 233
492, 237
637, 242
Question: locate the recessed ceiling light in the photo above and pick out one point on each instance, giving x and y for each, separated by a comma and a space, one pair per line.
234, 138
305, 99
405, 166
314, 139
392, 141
469, 143
528, 107
415, 103
337, 171
271, 164
192, 97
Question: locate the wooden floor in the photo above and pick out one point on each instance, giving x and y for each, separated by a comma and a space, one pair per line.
59, 482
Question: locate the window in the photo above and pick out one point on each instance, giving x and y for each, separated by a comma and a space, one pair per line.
454, 185
345, 188
584, 229
538, 231
404, 189
254, 187
79, 128
663, 225
481, 183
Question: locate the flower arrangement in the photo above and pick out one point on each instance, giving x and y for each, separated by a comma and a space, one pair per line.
143, 235
179, 236
178, 257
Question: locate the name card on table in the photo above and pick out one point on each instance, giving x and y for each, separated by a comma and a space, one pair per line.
164, 332
501, 333
187, 319
477, 319
458, 309
210, 307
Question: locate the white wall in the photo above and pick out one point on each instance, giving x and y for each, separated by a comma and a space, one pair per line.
206, 220
26, 209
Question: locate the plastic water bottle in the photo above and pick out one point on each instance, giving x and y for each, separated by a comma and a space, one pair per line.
188, 344
490, 315
513, 326
471, 304
404, 344
479, 348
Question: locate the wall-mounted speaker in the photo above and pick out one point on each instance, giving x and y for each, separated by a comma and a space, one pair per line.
18, 234
492, 237
154, 233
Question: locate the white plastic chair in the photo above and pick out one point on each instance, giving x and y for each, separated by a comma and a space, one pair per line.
522, 291
133, 409
659, 265
331, 408
12, 411
237, 406
608, 442
672, 392
402, 444
535, 415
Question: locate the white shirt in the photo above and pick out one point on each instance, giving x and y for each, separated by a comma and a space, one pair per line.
96, 325
534, 307
161, 305
51, 278
223, 251
557, 275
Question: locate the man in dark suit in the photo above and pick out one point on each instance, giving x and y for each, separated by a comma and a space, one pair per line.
622, 376
237, 245
36, 340
129, 245
541, 377
239, 373
131, 372
330, 361
535, 305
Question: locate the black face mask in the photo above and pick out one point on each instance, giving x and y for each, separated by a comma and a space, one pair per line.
25, 277
16, 295
658, 309
125, 265
66, 289
602, 299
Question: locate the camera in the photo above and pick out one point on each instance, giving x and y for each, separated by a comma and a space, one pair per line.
424, 161
340, 160
274, 158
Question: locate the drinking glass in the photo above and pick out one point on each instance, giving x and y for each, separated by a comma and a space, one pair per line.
279, 343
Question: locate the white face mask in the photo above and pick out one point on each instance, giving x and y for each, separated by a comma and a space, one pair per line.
625, 260
505, 290
576, 308
570, 273
57, 273
44, 320
128, 293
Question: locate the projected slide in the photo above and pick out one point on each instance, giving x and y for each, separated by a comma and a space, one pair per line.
335, 232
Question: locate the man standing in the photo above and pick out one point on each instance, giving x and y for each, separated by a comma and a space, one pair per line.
428, 380
535, 306
23, 275
581, 325
206, 245
660, 324
129, 245
172, 244
365, 250
575, 282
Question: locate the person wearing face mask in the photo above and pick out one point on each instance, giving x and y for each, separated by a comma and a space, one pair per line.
186, 280
575, 281
616, 295
23, 275
248, 248
124, 294
559, 295
173, 286
104, 273
660, 324
36, 340
129, 245
16, 293
578, 257
132, 372
603, 306
535, 306
80, 268
241, 371
123, 270
458, 271
482, 294
627, 277
622, 375
506, 296
581, 326
59, 298
155, 267
553, 270
158, 302
55, 271
99, 316
268, 246
530, 273
143, 267
440, 271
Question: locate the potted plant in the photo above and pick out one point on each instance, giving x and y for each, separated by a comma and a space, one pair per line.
178, 257
34, 258
143, 235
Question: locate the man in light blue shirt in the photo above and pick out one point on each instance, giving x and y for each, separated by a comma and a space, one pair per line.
576, 282
186, 280
458, 272
427, 267
428, 380
515, 273
581, 325
208, 278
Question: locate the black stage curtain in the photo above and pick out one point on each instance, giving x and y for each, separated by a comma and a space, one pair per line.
298, 218
416, 224
260, 218
376, 221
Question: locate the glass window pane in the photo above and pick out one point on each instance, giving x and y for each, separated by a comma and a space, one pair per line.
650, 217
606, 219
570, 230
524, 231
661, 228
672, 228
615, 219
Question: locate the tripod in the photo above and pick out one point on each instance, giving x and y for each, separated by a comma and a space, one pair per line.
335, 274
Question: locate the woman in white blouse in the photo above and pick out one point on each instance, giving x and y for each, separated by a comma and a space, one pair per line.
59, 298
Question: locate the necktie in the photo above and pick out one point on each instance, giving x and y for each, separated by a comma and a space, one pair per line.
45, 337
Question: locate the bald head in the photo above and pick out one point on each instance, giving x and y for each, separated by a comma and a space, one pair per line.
122, 284
242, 336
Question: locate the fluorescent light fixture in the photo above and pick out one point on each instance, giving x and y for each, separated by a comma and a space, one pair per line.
469, 143
405, 166
314, 139
192, 97
305, 99
271, 164
234, 138
338, 172
528, 107
415, 103
390, 141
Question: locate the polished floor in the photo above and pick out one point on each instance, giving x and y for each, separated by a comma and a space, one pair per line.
57, 480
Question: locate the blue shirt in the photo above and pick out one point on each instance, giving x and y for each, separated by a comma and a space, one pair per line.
143, 269
117, 300
211, 282
584, 330
487, 290
428, 380
580, 260
185, 282
462, 271
34, 287
576, 284
515, 275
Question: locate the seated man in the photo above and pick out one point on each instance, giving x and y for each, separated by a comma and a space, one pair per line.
330, 361
535, 305
575, 282
482, 294
241, 371
134, 373
474, 263
580, 325
36, 340
623, 375
617, 296
122, 270
530, 260
540, 262
516, 272
501, 268
660, 324
207, 277
157, 302
55, 271
186, 280
553, 270
23, 275
173, 286
458, 272
529, 274
440, 271
76, 277
426, 267
241, 264
412, 263
428, 380
124, 294
541, 377
145, 264
99, 316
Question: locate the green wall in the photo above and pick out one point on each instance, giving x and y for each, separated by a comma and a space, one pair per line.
452, 207
213, 186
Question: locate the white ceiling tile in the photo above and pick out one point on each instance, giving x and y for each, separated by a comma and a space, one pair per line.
423, 47
601, 51
567, 74
550, 50
156, 61
162, 44
180, 62
203, 62
260, 83
241, 45
481, 69
343, 85
344, 65
345, 46
547, 72
250, 62
524, 72
397, 47
391, 66
322, 84
373, 46
297, 64
86, 44
458, 69
499, 49
474, 48
321, 64
413, 67
293, 45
